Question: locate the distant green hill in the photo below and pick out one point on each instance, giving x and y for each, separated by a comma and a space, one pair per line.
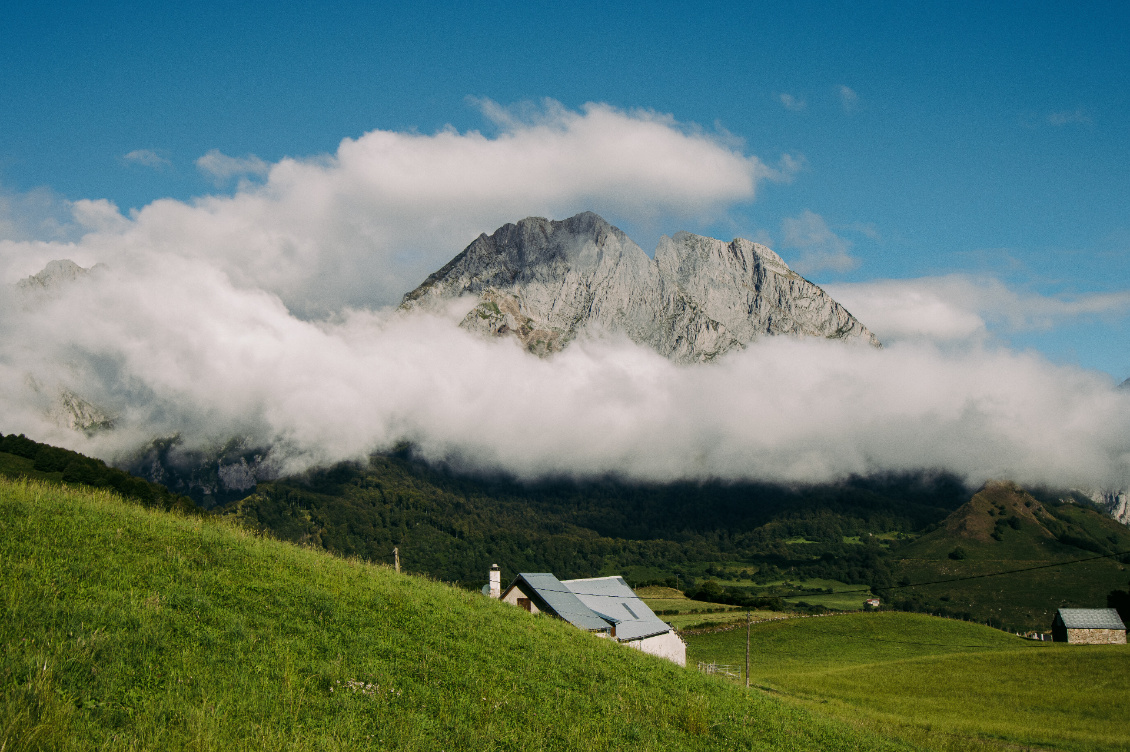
938, 683
1005, 528
127, 628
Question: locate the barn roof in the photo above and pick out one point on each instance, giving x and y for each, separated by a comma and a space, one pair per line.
1090, 618
560, 600
597, 604
612, 599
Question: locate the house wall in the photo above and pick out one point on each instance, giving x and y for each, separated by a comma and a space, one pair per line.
668, 645
1096, 636
514, 594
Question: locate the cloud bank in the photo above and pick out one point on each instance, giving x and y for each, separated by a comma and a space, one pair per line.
362, 226
177, 348
264, 315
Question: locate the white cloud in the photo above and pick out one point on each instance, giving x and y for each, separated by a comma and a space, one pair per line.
198, 328
820, 248
1067, 117
960, 307
362, 226
147, 158
173, 346
223, 168
849, 100
792, 103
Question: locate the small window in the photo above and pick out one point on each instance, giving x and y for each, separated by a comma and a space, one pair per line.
524, 603
629, 610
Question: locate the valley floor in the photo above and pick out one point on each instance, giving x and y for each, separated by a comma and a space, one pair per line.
937, 683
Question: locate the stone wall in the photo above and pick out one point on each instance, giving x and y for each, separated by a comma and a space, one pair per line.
1096, 636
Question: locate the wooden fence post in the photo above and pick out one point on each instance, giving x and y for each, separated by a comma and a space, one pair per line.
747, 623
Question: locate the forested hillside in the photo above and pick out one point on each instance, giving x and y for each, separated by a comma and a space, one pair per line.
454, 526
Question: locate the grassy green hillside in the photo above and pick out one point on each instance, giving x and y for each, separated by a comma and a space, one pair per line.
938, 683
128, 628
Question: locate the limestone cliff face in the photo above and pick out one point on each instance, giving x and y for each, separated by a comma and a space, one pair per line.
545, 282
1116, 503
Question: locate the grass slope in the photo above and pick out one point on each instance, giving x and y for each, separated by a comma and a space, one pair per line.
939, 683
127, 628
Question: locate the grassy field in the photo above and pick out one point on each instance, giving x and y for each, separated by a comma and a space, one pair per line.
938, 683
844, 597
691, 613
124, 628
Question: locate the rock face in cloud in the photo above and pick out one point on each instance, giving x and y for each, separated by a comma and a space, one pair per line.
546, 282
56, 273
1115, 503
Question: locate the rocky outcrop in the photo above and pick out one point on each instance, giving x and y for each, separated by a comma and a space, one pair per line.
545, 282
1114, 503
210, 477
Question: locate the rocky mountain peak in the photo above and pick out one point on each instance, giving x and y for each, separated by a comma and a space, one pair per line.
56, 273
546, 281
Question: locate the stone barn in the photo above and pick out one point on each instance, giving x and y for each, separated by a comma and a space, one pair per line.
1088, 626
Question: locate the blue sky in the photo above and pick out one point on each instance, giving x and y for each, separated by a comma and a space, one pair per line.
985, 140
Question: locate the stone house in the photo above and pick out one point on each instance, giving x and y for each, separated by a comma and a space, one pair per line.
1088, 626
605, 606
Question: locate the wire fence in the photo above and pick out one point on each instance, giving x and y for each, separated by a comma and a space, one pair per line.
721, 669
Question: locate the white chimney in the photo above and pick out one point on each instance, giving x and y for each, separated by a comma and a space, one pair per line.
495, 581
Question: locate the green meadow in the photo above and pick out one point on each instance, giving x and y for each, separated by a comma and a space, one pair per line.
675, 608
129, 628
937, 683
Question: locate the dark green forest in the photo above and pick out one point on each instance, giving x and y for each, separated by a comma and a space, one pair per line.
455, 526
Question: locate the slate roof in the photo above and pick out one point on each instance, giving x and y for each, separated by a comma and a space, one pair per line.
1090, 618
558, 599
595, 604
613, 600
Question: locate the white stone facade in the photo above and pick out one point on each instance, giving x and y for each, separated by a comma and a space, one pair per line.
668, 645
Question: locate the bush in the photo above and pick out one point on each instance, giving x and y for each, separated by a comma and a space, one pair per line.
958, 554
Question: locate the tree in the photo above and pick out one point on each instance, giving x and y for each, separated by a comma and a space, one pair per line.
1119, 600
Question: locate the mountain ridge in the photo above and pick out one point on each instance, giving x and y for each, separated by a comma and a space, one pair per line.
548, 281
